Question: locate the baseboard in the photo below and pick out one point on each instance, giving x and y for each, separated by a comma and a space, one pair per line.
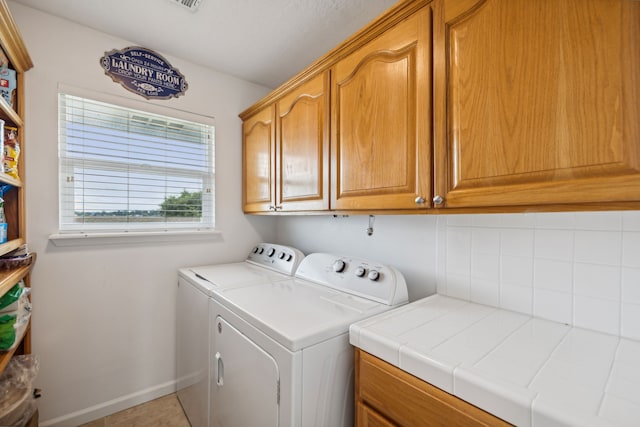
111, 407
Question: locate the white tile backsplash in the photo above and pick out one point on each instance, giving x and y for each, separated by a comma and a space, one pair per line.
598, 247
554, 244
458, 250
631, 249
630, 321
516, 298
597, 281
552, 305
579, 268
603, 221
552, 275
559, 221
516, 241
516, 271
597, 314
631, 221
631, 285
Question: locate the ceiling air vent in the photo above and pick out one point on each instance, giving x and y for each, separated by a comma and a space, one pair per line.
192, 5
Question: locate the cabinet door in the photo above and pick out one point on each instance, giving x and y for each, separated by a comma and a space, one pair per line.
303, 147
389, 393
258, 162
537, 101
381, 120
368, 417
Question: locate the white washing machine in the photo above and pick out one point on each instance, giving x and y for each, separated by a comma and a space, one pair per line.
280, 352
267, 263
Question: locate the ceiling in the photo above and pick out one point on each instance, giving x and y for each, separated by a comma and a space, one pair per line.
261, 41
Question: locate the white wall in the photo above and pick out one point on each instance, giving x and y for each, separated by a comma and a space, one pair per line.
103, 320
407, 242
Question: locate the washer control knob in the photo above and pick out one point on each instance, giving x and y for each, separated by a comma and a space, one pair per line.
289, 257
360, 271
281, 255
261, 251
373, 275
255, 250
271, 252
339, 266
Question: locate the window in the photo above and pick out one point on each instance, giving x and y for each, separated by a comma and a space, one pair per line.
127, 170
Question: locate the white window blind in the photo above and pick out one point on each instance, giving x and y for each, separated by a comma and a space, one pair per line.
127, 170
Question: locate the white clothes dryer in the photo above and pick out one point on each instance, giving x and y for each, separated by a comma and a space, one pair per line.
266, 263
280, 352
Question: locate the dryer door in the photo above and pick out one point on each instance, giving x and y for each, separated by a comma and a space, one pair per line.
245, 381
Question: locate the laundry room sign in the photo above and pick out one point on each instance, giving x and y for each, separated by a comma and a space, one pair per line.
144, 72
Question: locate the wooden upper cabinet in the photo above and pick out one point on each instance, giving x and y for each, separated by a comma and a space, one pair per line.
303, 147
537, 101
381, 120
258, 161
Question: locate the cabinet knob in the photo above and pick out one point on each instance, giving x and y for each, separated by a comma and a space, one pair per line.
438, 200
272, 208
420, 200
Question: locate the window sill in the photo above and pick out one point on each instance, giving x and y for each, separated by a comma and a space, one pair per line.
97, 239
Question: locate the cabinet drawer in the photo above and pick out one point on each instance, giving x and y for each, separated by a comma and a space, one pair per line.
409, 401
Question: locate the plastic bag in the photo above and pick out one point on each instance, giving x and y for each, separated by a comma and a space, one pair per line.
17, 301
11, 296
17, 402
14, 318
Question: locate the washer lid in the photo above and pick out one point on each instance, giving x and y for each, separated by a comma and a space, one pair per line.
298, 313
213, 279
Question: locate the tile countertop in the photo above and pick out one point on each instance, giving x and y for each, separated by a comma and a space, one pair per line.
525, 370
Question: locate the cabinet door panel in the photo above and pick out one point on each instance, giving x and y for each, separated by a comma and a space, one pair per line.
381, 144
303, 147
258, 161
368, 417
410, 402
538, 102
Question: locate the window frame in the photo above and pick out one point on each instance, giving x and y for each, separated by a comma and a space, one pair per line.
113, 231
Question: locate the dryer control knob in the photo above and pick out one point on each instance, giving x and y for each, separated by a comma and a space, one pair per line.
271, 252
281, 255
339, 266
261, 251
373, 275
360, 271
289, 257
255, 250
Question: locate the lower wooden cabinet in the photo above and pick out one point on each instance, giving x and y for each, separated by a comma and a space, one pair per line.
387, 396
368, 417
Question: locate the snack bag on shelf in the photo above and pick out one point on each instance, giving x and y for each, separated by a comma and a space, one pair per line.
11, 151
8, 85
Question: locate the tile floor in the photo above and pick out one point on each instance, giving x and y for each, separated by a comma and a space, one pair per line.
162, 412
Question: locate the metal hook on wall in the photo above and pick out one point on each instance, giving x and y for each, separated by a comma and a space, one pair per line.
370, 228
